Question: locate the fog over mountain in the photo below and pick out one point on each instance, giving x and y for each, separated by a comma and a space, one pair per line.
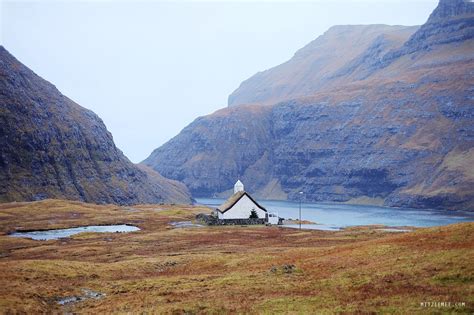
149, 68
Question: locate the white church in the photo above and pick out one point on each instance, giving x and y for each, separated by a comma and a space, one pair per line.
240, 206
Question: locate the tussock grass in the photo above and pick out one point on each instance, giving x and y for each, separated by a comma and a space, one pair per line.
226, 269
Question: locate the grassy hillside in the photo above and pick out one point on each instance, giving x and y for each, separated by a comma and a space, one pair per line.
227, 269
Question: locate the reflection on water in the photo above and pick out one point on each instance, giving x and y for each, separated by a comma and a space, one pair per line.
61, 233
330, 216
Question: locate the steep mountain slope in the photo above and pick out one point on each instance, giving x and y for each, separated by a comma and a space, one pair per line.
391, 124
327, 60
345, 54
213, 151
51, 147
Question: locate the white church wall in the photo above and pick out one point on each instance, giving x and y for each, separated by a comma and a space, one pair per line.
242, 210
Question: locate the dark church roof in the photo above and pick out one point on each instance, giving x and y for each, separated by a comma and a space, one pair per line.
234, 199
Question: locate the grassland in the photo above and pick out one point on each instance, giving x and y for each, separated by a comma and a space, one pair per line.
161, 269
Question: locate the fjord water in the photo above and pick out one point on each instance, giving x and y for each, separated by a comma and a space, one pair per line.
331, 216
61, 233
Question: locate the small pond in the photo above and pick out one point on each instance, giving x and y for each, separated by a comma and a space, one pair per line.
61, 233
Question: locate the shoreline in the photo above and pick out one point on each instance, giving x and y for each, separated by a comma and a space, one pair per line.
370, 227
347, 203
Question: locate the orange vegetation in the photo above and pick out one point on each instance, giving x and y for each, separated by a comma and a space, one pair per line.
161, 269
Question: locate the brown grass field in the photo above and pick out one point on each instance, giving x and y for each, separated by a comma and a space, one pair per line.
162, 269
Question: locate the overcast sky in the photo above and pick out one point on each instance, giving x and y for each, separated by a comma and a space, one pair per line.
150, 68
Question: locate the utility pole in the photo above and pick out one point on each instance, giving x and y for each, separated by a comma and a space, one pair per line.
301, 197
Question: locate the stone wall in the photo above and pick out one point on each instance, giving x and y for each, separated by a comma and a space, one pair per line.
212, 220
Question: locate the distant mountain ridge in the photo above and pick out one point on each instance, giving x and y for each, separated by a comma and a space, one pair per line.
330, 60
50, 147
379, 114
345, 54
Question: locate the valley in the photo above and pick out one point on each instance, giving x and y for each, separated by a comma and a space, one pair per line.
238, 269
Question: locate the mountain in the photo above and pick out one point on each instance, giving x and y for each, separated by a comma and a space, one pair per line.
50, 147
363, 114
329, 60
345, 54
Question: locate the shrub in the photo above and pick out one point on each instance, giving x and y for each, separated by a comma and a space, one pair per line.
253, 214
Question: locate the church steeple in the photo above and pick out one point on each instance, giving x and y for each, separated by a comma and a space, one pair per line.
238, 187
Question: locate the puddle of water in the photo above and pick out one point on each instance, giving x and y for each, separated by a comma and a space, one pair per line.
320, 227
62, 233
87, 294
68, 300
185, 224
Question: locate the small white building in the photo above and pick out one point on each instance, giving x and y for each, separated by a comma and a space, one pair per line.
240, 205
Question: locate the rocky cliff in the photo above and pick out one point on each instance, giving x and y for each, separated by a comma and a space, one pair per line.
51, 147
376, 114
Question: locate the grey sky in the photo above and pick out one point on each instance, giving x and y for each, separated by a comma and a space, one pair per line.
149, 68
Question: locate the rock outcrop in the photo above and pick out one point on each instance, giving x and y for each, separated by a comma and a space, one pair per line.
50, 147
451, 22
388, 117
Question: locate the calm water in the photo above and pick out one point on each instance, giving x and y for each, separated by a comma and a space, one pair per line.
60, 233
333, 216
